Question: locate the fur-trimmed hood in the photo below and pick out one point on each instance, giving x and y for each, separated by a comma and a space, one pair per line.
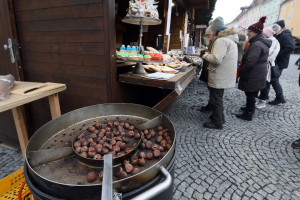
230, 33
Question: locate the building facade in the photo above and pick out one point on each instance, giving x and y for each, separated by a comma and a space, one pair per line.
271, 9
290, 13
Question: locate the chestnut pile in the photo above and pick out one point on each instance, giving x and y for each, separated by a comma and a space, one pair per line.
100, 139
155, 144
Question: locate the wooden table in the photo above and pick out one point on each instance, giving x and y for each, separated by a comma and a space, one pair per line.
177, 84
14, 102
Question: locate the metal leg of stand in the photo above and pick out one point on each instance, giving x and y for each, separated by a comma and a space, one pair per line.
141, 33
139, 69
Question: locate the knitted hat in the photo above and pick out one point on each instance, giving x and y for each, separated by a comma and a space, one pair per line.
259, 26
217, 24
281, 23
270, 31
208, 29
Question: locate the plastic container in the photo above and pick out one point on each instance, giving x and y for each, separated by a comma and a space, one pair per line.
10, 187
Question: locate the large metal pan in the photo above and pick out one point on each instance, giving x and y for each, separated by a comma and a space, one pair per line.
56, 177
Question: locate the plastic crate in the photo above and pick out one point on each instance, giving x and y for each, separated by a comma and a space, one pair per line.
10, 186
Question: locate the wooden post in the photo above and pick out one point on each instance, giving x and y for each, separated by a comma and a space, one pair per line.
21, 128
200, 41
54, 106
185, 31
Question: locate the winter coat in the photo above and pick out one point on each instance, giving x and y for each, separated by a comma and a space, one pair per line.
273, 52
222, 60
204, 72
241, 45
287, 46
253, 70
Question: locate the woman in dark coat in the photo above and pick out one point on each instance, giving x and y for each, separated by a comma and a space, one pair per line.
253, 70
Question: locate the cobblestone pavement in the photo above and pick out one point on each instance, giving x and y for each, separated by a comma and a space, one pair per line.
245, 160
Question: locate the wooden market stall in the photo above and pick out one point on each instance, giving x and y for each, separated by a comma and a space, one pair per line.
74, 42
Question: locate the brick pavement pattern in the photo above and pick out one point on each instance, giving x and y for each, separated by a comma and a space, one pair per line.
245, 160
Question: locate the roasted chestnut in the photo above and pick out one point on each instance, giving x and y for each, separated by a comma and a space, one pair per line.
149, 156
159, 139
91, 129
97, 157
156, 153
92, 149
160, 133
146, 132
92, 176
91, 154
110, 123
90, 140
83, 154
142, 162
96, 131
137, 135
142, 155
130, 134
131, 128
94, 135
84, 149
77, 144
148, 144
97, 125
128, 168
116, 148
126, 125
154, 146
142, 146
78, 149
116, 123
159, 128
134, 160
122, 146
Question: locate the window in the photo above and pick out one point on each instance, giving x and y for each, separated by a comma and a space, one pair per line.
293, 3
290, 15
284, 7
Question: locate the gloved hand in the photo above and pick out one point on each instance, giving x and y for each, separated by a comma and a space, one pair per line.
202, 53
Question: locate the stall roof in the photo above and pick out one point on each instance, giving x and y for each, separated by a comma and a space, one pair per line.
203, 9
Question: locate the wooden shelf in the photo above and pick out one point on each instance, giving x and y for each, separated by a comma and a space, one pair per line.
172, 83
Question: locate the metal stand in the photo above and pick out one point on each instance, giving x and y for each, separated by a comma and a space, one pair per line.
139, 69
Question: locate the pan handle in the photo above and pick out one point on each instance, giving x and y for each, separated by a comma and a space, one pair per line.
158, 188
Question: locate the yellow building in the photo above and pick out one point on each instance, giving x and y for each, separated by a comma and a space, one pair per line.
290, 13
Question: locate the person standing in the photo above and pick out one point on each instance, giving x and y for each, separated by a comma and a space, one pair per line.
273, 52
287, 46
222, 69
253, 71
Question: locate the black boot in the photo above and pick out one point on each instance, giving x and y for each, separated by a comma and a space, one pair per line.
207, 108
296, 144
279, 99
223, 121
247, 115
212, 125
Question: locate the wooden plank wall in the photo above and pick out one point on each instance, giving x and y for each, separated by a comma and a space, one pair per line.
65, 41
